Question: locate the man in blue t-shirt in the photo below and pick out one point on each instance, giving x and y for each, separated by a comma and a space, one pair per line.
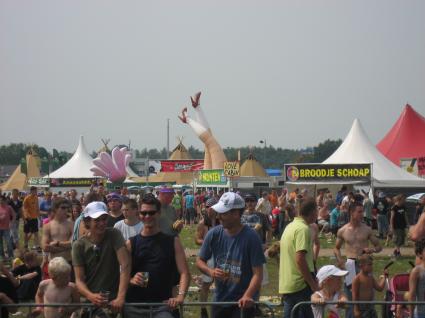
238, 259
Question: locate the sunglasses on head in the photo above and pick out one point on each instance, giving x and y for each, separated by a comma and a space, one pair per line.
150, 213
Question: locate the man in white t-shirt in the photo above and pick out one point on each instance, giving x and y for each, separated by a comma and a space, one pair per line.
264, 205
131, 225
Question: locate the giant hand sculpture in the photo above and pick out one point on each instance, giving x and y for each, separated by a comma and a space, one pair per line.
112, 167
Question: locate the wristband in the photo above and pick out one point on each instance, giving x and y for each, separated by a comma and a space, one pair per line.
181, 293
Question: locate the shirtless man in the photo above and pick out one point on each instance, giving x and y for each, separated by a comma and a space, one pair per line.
356, 236
57, 234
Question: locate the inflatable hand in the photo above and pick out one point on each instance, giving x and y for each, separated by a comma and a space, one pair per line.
112, 167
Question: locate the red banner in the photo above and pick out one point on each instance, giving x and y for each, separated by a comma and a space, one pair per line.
182, 165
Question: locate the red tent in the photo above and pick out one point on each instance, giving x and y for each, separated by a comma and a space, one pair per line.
406, 139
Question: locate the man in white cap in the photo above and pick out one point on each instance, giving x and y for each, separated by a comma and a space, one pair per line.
238, 259
101, 261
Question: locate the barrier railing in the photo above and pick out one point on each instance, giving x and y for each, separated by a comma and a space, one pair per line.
374, 303
149, 307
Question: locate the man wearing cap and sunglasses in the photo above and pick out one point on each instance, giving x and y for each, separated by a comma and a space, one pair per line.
238, 258
101, 262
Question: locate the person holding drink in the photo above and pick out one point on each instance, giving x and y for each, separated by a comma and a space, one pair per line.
158, 260
101, 263
239, 259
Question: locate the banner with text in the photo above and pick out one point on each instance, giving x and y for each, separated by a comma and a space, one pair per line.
212, 177
232, 169
38, 182
76, 182
328, 172
182, 165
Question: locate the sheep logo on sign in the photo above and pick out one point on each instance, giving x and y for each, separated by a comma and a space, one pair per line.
292, 173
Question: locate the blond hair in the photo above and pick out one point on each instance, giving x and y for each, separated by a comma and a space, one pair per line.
58, 266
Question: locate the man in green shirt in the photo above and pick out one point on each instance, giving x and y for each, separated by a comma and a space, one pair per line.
296, 273
177, 204
101, 261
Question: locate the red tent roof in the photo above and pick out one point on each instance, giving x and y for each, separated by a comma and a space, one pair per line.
406, 139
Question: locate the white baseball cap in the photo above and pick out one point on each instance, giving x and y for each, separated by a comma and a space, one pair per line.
229, 201
95, 209
328, 271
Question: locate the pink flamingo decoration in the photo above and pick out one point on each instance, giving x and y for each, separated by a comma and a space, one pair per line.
112, 166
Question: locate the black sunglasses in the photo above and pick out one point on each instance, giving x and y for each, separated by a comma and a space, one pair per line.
150, 213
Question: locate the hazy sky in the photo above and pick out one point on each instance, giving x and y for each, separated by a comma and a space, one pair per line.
292, 72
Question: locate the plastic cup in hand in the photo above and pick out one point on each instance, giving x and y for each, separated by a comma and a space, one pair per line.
224, 265
145, 279
105, 294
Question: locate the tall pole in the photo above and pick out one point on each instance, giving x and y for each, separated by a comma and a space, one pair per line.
168, 138
264, 141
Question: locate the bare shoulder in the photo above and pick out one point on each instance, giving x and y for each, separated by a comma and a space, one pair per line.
314, 227
342, 230
366, 228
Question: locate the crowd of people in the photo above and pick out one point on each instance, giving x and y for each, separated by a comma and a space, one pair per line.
111, 249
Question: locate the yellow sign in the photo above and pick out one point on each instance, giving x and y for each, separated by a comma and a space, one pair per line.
232, 169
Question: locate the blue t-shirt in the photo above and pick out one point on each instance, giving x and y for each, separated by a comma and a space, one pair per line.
189, 201
334, 217
239, 254
46, 206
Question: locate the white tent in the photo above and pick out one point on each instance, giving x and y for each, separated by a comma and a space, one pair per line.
78, 166
357, 148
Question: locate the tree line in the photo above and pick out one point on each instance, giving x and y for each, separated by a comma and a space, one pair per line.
269, 157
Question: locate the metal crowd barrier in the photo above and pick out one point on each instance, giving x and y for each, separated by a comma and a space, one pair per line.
149, 306
372, 303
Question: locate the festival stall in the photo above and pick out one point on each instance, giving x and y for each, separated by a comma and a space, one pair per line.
21, 180
75, 173
363, 164
178, 169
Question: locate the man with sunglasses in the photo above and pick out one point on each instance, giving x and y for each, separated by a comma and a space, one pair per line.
238, 258
57, 234
256, 220
101, 262
157, 262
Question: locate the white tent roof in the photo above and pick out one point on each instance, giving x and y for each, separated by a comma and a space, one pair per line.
78, 166
357, 148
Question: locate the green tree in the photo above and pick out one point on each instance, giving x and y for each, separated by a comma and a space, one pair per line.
324, 149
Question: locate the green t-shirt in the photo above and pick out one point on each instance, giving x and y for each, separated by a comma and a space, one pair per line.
296, 238
177, 202
100, 262
167, 219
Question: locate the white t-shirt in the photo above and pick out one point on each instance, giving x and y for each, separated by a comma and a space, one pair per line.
127, 230
329, 311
